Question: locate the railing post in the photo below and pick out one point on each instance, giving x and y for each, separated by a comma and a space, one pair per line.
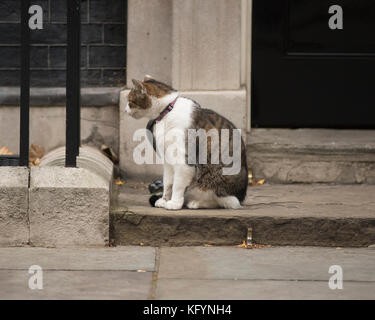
25, 84
73, 83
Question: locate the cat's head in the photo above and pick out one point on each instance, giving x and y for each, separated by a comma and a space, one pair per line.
148, 98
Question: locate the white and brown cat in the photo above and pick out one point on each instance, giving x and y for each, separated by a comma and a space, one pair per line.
198, 185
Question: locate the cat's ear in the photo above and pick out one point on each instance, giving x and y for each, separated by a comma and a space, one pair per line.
137, 84
148, 77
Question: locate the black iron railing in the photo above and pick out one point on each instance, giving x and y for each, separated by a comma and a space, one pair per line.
72, 87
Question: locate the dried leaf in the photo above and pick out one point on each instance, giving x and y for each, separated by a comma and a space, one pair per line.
208, 245
261, 182
119, 182
4, 151
252, 246
35, 152
36, 162
243, 245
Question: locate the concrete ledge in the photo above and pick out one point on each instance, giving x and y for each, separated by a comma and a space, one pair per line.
14, 196
303, 215
57, 96
68, 207
312, 155
230, 104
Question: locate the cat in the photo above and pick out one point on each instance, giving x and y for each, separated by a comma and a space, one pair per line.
197, 185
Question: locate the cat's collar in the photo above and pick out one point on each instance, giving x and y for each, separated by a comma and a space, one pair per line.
151, 123
167, 109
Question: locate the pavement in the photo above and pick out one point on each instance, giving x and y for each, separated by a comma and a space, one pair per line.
196, 273
280, 215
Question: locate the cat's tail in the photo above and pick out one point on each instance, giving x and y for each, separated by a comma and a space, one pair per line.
154, 198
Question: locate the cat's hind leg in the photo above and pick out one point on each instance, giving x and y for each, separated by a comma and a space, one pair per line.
230, 202
199, 199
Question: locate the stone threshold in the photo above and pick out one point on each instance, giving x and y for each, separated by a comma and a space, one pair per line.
98, 96
312, 155
295, 215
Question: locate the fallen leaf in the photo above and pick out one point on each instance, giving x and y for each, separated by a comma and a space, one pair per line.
243, 245
36, 162
35, 154
208, 245
4, 151
119, 182
253, 246
261, 182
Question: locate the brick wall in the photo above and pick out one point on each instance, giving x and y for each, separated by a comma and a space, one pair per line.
103, 38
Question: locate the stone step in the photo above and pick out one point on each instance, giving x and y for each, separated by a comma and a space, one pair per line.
300, 215
312, 155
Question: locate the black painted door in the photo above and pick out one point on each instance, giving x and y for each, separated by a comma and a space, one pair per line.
313, 63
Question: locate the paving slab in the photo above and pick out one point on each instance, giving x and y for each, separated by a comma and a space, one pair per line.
183, 289
268, 273
187, 273
309, 215
286, 263
109, 259
76, 285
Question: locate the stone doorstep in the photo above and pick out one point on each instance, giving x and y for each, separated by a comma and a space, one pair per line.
296, 215
312, 155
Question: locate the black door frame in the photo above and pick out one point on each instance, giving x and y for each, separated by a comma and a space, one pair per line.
270, 56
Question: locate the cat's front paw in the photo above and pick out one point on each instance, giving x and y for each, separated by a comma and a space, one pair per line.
174, 205
160, 203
